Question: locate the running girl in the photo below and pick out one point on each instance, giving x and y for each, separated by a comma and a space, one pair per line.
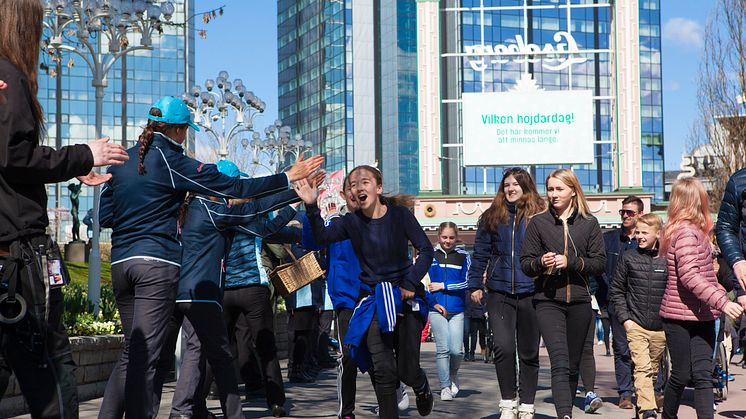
380, 232
446, 297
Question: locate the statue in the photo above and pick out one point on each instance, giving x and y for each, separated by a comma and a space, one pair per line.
74, 208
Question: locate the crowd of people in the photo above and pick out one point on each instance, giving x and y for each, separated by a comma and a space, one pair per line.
192, 244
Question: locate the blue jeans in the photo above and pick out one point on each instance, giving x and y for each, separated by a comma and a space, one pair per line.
449, 338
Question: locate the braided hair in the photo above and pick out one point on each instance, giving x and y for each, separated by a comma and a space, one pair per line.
184, 208
146, 138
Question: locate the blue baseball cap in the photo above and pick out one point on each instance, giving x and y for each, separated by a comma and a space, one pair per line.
173, 111
229, 168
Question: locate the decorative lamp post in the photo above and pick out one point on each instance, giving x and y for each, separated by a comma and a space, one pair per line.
225, 110
277, 147
81, 27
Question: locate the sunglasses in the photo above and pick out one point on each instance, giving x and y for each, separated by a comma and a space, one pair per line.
628, 213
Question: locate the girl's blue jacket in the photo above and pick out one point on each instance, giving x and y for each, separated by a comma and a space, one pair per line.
451, 268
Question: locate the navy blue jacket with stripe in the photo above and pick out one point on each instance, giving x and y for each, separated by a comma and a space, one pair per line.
451, 268
142, 209
207, 234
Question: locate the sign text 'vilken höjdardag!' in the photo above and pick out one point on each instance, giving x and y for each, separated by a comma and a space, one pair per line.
533, 131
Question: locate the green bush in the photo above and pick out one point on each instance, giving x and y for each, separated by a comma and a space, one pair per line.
79, 319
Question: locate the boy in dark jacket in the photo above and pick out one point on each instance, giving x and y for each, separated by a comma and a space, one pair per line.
636, 292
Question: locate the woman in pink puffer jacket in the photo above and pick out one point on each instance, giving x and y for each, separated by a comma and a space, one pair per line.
693, 298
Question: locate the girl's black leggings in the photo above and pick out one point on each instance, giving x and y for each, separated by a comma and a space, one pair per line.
564, 328
515, 329
690, 344
396, 357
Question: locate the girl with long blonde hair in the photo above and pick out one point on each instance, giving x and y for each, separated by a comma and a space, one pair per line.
693, 299
562, 248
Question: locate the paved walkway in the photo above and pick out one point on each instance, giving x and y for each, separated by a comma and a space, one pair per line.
477, 399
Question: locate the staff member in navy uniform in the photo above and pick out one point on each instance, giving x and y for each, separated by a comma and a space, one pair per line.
33, 341
207, 231
140, 203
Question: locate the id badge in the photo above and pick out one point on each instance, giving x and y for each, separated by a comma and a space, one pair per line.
54, 272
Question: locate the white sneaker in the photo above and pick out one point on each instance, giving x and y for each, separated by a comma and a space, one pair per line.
446, 395
402, 398
508, 409
526, 411
455, 385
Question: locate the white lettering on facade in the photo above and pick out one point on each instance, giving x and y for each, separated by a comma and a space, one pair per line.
553, 57
460, 209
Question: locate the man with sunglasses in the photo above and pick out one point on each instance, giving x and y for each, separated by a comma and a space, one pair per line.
617, 241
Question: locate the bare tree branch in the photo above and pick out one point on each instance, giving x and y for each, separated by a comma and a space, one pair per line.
722, 80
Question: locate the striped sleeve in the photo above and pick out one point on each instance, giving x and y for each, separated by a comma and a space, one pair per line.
463, 282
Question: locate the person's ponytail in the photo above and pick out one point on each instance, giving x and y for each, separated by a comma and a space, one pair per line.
183, 209
406, 201
146, 138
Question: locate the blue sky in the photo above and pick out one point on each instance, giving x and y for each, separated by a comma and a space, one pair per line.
244, 42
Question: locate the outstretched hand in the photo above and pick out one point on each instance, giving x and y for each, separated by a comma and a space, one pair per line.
306, 192
94, 179
304, 167
316, 179
105, 153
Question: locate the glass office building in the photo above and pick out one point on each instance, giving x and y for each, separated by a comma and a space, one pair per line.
465, 23
348, 83
134, 84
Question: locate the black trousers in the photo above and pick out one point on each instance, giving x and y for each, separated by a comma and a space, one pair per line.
396, 357
46, 380
187, 402
189, 398
474, 329
690, 345
322, 333
347, 370
564, 328
210, 338
515, 327
248, 312
301, 323
145, 291
588, 361
622, 355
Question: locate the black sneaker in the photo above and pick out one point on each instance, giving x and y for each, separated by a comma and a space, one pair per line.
278, 411
425, 401
649, 414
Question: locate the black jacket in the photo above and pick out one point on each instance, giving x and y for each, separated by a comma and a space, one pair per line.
616, 242
585, 256
637, 288
730, 228
25, 165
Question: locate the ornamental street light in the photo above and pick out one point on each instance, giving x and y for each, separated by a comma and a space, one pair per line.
225, 110
278, 148
80, 27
